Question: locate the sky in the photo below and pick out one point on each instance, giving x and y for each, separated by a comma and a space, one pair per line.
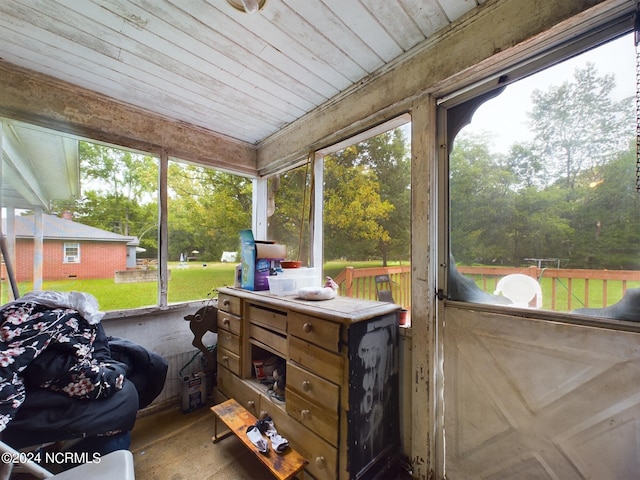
508, 111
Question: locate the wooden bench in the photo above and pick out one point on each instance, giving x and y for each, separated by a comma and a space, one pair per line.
283, 466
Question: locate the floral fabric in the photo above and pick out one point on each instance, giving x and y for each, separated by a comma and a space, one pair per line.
26, 330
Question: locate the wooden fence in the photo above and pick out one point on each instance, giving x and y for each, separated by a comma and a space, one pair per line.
563, 289
360, 283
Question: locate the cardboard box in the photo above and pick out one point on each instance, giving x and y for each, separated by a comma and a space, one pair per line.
256, 260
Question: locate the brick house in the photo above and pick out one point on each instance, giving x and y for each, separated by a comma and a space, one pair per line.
71, 250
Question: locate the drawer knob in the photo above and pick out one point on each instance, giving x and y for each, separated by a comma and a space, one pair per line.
307, 327
225, 321
320, 462
225, 358
226, 302
251, 404
305, 414
306, 385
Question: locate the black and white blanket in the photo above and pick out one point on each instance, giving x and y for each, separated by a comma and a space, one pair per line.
59, 378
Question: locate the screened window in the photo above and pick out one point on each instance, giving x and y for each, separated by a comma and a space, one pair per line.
367, 216
206, 210
289, 212
544, 211
98, 207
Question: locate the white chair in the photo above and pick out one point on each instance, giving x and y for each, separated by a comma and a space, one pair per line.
520, 289
115, 465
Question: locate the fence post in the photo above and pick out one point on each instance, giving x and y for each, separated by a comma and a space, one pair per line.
348, 281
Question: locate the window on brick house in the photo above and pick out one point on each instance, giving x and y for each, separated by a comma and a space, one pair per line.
71, 253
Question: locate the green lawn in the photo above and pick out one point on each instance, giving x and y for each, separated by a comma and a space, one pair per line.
197, 283
193, 283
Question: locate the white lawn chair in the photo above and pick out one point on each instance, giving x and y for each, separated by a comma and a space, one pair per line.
520, 289
116, 465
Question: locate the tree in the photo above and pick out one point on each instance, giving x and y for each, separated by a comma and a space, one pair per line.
606, 220
388, 155
481, 203
567, 194
207, 209
367, 199
119, 193
353, 211
577, 124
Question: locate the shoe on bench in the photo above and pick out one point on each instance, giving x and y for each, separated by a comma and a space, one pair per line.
257, 439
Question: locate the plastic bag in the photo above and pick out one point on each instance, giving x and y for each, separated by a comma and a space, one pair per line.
85, 303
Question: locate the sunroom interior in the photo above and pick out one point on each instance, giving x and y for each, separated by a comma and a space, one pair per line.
259, 96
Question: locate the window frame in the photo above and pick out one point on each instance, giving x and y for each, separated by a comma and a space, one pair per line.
449, 122
69, 246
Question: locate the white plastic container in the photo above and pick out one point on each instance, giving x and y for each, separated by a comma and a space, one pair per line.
293, 279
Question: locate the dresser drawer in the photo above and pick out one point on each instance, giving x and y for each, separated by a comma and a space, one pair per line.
229, 341
322, 456
310, 415
229, 322
234, 387
318, 360
229, 360
230, 304
315, 330
271, 340
272, 319
313, 387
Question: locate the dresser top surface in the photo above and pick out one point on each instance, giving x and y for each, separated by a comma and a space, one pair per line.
343, 309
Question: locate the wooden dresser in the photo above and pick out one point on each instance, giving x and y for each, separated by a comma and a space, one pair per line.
341, 355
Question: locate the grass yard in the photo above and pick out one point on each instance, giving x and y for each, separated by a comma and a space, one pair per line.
193, 283
197, 283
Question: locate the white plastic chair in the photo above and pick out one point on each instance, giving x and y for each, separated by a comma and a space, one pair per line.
115, 465
520, 289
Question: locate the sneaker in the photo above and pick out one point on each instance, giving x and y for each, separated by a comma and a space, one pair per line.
257, 439
278, 442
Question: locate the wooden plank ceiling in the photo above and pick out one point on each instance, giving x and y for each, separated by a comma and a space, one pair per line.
208, 64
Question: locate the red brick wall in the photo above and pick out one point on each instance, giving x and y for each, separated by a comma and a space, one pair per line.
97, 260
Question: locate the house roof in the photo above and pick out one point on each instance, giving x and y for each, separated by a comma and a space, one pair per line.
38, 166
56, 228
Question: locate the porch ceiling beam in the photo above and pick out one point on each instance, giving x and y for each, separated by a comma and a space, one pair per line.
42, 100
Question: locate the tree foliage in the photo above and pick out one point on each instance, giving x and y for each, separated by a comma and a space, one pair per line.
367, 200
119, 191
207, 209
578, 127
569, 194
